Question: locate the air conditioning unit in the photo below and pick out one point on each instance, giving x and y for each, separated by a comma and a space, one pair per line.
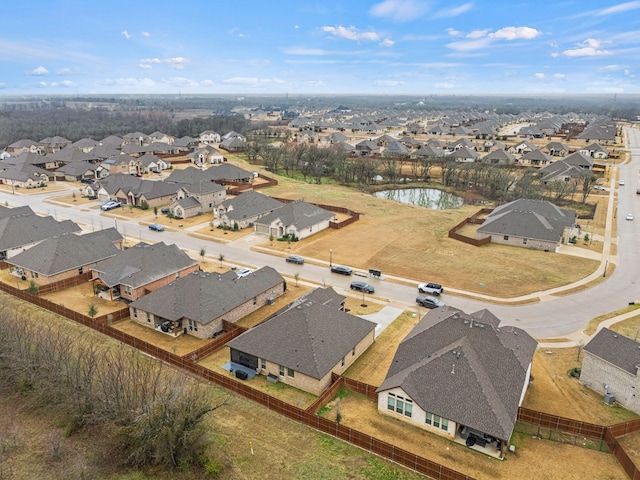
270, 301
609, 398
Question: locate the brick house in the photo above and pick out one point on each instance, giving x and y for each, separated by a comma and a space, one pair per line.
65, 256
610, 367
307, 342
460, 376
196, 304
141, 269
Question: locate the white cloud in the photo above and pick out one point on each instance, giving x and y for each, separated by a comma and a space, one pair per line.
387, 42
146, 34
351, 33
454, 33
589, 48
207, 83
252, 81
477, 34
296, 27
611, 68
65, 84
620, 8
180, 82
540, 75
388, 83
445, 85
453, 11
38, 71
126, 35
314, 83
399, 10
469, 45
42, 84
559, 75
516, 33
64, 71
177, 63
129, 82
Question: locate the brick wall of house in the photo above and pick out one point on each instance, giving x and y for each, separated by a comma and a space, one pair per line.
44, 280
623, 385
313, 385
155, 285
418, 415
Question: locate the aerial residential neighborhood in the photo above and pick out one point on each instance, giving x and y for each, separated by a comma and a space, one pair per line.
471, 246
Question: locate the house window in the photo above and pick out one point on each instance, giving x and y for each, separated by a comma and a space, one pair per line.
281, 371
524, 241
342, 363
445, 424
135, 313
391, 402
353, 352
127, 290
80, 270
437, 421
177, 274
254, 300
193, 325
290, 372
148, 317
263, 363
506, 237
408, 407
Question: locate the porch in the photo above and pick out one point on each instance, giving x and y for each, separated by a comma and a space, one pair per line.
480, 442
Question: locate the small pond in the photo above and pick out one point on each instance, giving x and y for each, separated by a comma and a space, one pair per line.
431, 198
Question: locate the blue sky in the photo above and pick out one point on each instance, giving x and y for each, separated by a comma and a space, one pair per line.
423, 47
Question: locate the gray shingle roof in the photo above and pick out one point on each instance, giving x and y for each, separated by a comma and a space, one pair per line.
26, 228
310, 337
464, 368
203, 297
142, 264
65, 252
534, 219
249, 204
299, 214
616, 349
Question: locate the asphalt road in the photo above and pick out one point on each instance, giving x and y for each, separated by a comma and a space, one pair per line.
553, 316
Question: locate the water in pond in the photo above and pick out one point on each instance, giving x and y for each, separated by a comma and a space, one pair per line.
424, 197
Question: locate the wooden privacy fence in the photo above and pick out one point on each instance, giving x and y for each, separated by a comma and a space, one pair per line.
562, 424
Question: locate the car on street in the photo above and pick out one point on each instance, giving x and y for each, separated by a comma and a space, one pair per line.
243, 272
341, 270
629, 216
86, 180
110, 205
430, 288
156, 227
621, 182
164, 210
295, 259
429, 302
599, 187
362, 287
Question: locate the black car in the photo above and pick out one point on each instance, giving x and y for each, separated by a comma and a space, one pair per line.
341, 270
295, 259
429, 302
86, 180
362, 287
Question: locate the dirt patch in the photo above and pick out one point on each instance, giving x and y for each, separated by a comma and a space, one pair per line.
532, 456
180, 345
554, 391
80, 298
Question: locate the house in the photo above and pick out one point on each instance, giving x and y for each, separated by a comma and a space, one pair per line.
55, 143
243, 210
196, 304
427, 152
534, 224
571, 166
21, 229
24, 176
299, 219
152, 163
25, 146
304, 344
522, 147
499, 157
209, 136
463, 154
141, 269
462, 376
556, 149
119, 163
610, 367
367, 148
596, 151
234, 144
76, 171
206, 155
65, 256
536, 158
196, 199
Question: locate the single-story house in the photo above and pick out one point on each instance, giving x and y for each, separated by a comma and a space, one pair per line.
299, 218
21, 229
65, 256
462, 376
535, 224
206, 155
307, 342
197, 303
141, 269
197, 198
245, 209
611, 366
